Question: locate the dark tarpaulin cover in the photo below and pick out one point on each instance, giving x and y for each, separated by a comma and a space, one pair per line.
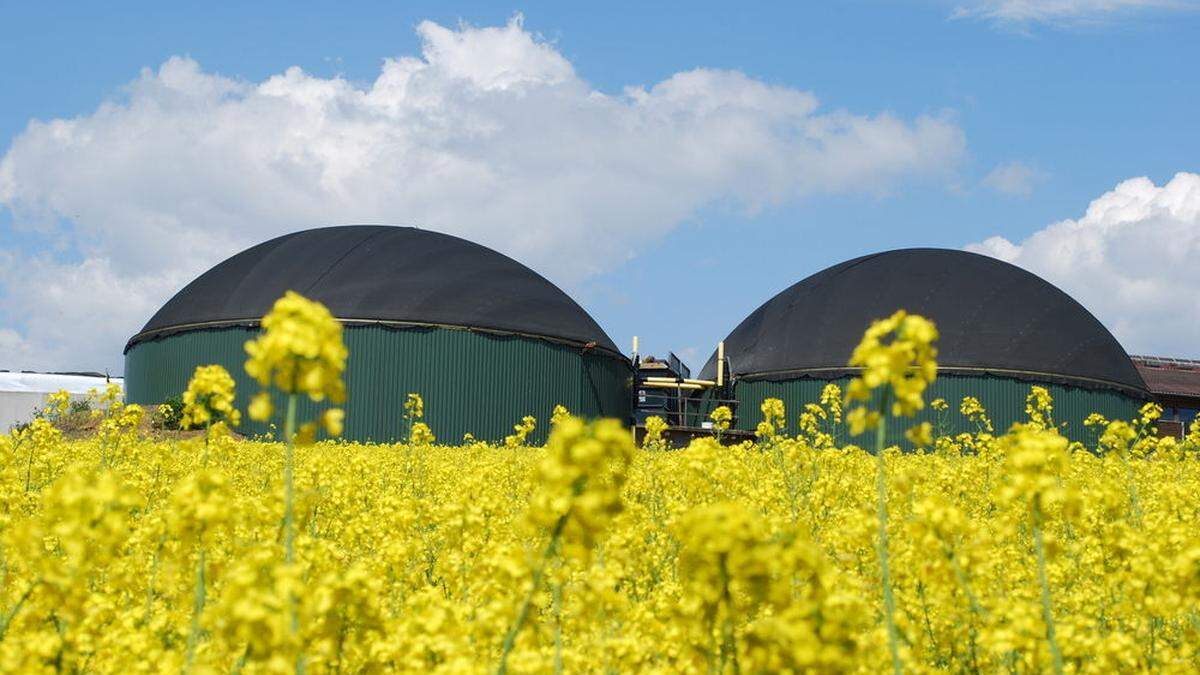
381, 273
992, 317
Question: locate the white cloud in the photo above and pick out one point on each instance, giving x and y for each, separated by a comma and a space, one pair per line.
489, 134
1013, 178
76, 316
1131, 260
1062, 11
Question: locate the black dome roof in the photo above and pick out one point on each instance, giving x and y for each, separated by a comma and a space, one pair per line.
380, 274
993, 317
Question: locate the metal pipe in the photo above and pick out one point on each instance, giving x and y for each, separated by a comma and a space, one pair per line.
637, 366
672, 380
721, 363
670, 385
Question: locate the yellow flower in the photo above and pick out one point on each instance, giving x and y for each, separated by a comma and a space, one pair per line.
773, 411
209, 398
422, 435
201, 502
1038, 406
921, 435
1035, 459
120, 554
831, 398
414, 407
721, 416
306, 434
897, 353
726, 547
581, 476
59, 402
522, 431
655, 427
765, 431
774, 419
860, 419
300, 350
1149, 412
261, 408
974, 411
332, 421
559, 414
1117, 437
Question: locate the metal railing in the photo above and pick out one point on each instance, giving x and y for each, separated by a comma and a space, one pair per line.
679, 407
1166, 362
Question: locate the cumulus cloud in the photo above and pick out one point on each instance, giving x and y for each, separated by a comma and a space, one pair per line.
68, 309
1062, 11
488, 134
1131, 260
1013, 178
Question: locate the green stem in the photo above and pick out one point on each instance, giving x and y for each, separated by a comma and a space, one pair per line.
6, 621
1131, 485
153, 581
241, 662
889, 600
510, 639
197, 607
928, 624
1047, 608
961, 577
29, 465
558, 657
289, 518
289, 431
728, 643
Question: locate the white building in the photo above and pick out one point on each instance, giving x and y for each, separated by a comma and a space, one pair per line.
21, 394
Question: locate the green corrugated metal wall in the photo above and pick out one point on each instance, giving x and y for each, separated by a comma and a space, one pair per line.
1004, 399
471, 382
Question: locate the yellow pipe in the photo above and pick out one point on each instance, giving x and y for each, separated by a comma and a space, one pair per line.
674, 381
721, 363
670, 385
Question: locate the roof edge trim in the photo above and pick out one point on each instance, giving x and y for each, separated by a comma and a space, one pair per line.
1056, 378
167, 331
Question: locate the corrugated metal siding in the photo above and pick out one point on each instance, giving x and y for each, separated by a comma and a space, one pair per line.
1004, 399
471, 382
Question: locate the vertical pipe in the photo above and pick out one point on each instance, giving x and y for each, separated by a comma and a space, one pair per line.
721, 363
633, 403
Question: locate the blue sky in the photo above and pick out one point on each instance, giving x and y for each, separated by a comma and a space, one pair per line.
1035, 118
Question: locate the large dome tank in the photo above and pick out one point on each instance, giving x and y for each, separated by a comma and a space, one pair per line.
484, 339
1002, 329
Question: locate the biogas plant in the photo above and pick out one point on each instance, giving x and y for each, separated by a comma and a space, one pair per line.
486, 340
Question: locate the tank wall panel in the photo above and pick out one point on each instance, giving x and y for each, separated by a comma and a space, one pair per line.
471, 382
1003, 398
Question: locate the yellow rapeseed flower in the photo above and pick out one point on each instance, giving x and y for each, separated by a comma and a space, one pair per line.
655, 427
300, 351
721, 417
209, 398
897, 353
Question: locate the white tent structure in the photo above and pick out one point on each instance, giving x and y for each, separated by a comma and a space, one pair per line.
21, 394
